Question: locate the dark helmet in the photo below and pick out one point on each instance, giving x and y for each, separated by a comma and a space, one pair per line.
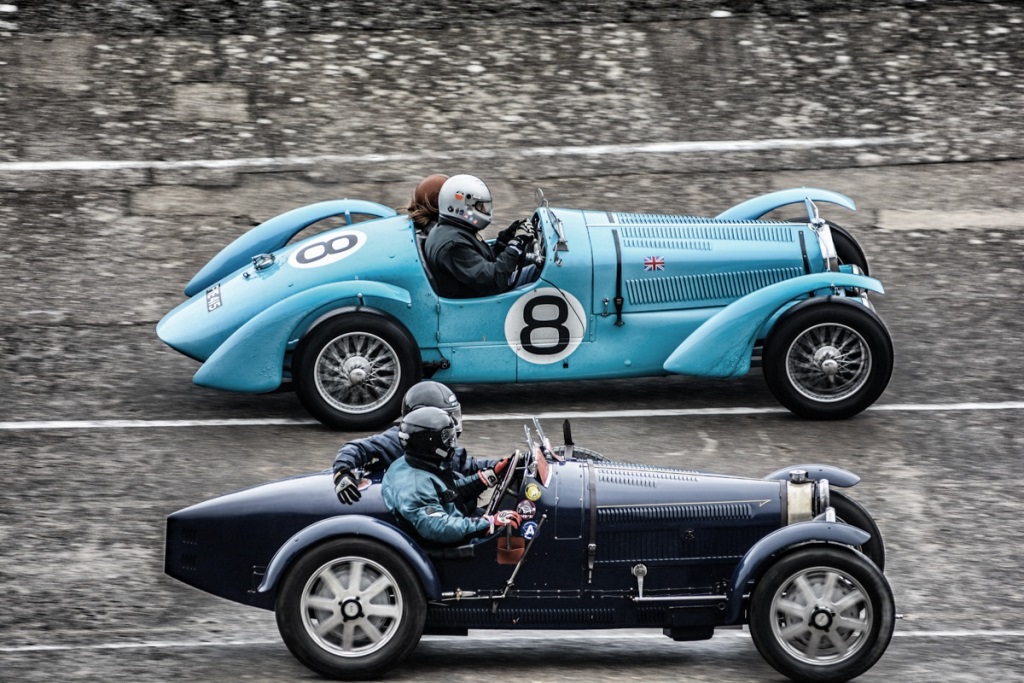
428, 433
430, 393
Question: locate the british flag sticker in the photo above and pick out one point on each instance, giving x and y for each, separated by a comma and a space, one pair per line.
652, 263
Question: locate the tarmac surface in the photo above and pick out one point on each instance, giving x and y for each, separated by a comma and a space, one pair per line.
137, 139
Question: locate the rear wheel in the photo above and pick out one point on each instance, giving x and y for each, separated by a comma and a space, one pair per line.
352, 371
822, 614
351, 609
828, 360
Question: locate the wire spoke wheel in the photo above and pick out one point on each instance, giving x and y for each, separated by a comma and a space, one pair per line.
828, 359
358, 372
828, 362
351, 371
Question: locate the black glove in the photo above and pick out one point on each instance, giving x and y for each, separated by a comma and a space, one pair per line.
513, 230
346, 486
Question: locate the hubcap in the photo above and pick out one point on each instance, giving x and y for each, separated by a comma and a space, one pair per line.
828, 362
351, 607
357, 372
821, 616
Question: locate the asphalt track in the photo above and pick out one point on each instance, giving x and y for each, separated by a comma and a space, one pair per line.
102, 433
111, 436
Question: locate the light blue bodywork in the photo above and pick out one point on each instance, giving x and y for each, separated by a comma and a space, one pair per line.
696, 293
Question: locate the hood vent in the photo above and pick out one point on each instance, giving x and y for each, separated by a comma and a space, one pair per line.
706, 287
677, 229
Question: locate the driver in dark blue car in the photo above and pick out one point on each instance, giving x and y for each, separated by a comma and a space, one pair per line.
377, 452
421, 488
463, 264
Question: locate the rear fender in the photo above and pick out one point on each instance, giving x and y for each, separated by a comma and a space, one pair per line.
722, 346
275, 233
836, 476
252, 359
352, 525
759, 557
752, 209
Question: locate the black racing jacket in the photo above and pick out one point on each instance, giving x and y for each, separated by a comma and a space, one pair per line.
465, 266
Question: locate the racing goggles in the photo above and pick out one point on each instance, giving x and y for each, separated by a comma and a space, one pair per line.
456, 415
448, 436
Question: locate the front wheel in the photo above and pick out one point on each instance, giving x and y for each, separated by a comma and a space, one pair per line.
828, 360
352, 371
351, 609
822, 614
849, 511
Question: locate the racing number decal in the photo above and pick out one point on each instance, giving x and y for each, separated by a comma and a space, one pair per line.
545, 325
333, 247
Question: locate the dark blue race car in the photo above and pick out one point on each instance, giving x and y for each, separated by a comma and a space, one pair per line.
604, 545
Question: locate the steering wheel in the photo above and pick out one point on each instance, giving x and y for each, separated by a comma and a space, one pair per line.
535, 242
505, 484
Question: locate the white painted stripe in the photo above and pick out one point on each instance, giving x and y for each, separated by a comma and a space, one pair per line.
719, 146
507, 636
29, 425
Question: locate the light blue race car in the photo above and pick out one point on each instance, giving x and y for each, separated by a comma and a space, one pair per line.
349, 315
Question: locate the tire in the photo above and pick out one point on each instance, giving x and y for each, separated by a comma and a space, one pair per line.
848, 249
853, 513
343, 581
822, 613
352, 371
828, 360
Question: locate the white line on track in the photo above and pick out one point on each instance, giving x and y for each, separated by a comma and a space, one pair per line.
30, 425
507, 636
716, 146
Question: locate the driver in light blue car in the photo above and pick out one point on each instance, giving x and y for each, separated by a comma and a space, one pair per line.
379, 451
463, 264
421, 489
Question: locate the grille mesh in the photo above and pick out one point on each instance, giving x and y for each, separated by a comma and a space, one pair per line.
704, 287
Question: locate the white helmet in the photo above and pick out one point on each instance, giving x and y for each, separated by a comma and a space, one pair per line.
465, 199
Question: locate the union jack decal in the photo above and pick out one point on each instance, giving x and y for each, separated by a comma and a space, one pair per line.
653, 263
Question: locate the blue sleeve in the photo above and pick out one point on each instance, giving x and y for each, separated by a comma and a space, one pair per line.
358, 454
464, 463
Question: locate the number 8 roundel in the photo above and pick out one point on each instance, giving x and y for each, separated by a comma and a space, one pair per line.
545, 325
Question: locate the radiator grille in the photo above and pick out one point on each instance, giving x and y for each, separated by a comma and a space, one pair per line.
704, 287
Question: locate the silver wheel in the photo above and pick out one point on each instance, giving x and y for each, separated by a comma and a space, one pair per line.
828, 362
351, 607
821, 615
357, 372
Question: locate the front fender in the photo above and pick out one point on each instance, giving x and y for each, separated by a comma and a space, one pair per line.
755, 561
752, 209
722, 346
836, 476
353, 525
275, 233
252, 359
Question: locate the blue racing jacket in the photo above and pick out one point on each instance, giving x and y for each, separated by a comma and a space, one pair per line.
427, 497
377, 452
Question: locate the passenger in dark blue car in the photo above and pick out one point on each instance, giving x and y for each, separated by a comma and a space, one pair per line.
377, 452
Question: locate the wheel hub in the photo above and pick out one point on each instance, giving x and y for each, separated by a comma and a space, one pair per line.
356, 369
825, 357
351, 609
821, 618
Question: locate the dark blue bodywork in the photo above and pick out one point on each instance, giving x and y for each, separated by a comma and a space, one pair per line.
700, 538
